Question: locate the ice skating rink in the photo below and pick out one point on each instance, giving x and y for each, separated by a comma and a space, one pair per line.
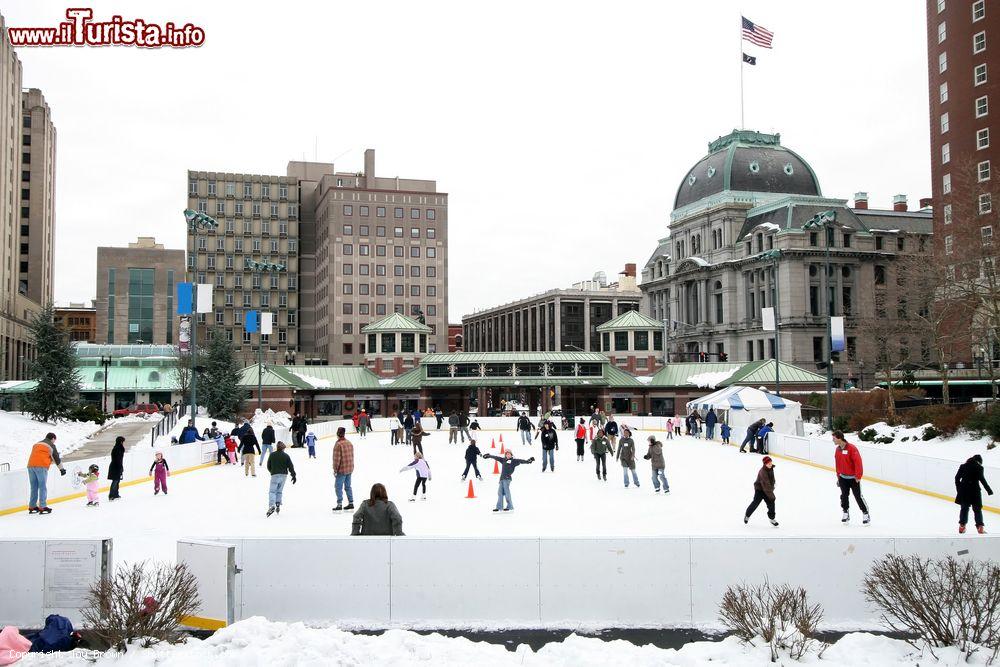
710, 486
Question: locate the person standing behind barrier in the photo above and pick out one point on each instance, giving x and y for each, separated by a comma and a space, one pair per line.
417, 436
507, 465
471, 454
248, 450
524, 428
581, 438
43, 455
763, 490
626, 455
710, 420
116, 469
968, 494
600, 446
550, 443
280, 466
266, 440
849, 472
655, 457
343, 468
423, 471
453, 428
377, 515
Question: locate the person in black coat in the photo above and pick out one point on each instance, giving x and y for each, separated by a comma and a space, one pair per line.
301, 431
116, 469
967, 480
471, 454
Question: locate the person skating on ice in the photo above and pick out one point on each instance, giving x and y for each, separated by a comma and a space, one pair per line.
159, 470
626, 456
279, 464
611, 431
343, 468
725, 431
581, 438
311, 444
90, 481
249, 448
600, 447
763, 490
471, 454
849, 472
654, 454
507, 465
423, 471
417, 436
550, 443
969, 477
524, 428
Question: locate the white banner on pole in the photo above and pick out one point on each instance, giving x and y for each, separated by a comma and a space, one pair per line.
204, 298
767, 315
266, 323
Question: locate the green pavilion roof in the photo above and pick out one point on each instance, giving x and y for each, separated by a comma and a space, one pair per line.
311, 377
395, 322
630, 320
512, 357
762, 372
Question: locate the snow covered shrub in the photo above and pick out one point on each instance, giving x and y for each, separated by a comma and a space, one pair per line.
947, 420
781, 615
868, 435
929, 433
142, 601
945, 602
985, 422
884, 439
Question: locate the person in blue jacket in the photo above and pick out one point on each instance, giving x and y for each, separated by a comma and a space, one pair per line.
725, 431
311, 444
710, 420
189, 433
762, 437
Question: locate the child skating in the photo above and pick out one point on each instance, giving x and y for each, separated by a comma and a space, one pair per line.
726, 431
311, 444
763, 489
423, 471
90, 481
159, 470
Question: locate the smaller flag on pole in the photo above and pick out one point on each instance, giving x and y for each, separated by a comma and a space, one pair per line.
185, 298
749, 60
756, 34
250, 322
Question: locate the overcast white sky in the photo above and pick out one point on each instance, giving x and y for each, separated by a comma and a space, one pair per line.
561, 130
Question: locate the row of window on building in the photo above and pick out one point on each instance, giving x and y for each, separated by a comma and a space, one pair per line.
236, 280
239, 210
397, 232
398, 212
397, 270
264, 190
291, 246
380, 308
264, 299
365, 250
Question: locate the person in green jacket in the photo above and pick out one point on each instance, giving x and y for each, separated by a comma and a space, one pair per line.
280, 466
600, 446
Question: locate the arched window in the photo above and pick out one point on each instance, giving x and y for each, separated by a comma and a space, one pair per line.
99, 376
154, 376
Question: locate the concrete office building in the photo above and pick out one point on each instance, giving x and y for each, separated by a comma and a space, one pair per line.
38, 189
371, 246
556, 320
26, 194
749, 195
258, 220
136, 293
79, 320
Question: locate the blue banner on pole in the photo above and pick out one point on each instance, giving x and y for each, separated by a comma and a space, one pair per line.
185, 298
252, 322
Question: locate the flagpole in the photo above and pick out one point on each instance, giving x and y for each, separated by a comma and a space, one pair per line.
742, 64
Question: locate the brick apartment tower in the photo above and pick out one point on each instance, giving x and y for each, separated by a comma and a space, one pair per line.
963, 63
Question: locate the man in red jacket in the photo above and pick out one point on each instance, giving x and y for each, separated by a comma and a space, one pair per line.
849, 472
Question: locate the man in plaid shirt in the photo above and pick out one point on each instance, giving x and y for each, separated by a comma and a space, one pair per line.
343, 466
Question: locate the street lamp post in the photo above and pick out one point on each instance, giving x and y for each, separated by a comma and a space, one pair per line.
774, 255
106, 364
825, 220
261, 268
196, 221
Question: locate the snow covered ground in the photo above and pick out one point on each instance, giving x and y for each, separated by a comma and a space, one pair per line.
20, 432
257, 641
956, 448
710, 488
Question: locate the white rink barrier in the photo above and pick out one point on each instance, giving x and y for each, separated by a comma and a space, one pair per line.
383, 424
49, 577
550, 582
14, 487
917, 472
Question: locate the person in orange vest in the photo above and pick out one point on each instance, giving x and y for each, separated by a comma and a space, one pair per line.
43, 454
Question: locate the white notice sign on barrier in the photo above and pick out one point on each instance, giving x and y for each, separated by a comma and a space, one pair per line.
70, 569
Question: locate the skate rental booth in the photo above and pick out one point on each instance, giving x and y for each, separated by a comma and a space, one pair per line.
741, 406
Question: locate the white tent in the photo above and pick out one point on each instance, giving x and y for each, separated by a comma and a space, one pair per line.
741, 406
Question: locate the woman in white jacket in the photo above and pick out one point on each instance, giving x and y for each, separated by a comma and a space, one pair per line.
423, 474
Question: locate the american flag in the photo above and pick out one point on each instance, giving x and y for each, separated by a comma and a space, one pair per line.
756, 34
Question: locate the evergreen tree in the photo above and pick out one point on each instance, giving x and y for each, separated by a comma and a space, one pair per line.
54, 369
218, 384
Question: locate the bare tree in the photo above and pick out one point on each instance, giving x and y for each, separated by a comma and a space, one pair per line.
885, 334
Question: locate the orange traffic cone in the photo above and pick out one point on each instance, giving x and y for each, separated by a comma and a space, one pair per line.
493, 443
501, 438
472, 492
496, 468
502, 450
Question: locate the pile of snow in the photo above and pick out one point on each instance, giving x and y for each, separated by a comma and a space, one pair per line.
711, 380
140, 417
257, 641
909, 439
20, 432
269, 416
315, 382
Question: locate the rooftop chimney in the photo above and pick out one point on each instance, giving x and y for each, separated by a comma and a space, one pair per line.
899, 203
861, 200
370, 168
926, 202
629, 270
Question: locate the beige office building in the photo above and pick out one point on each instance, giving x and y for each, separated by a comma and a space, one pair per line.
38, 178
371, 246
136, 293
20, 185
258, 218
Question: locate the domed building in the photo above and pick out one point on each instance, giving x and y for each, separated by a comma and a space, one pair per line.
714, 272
